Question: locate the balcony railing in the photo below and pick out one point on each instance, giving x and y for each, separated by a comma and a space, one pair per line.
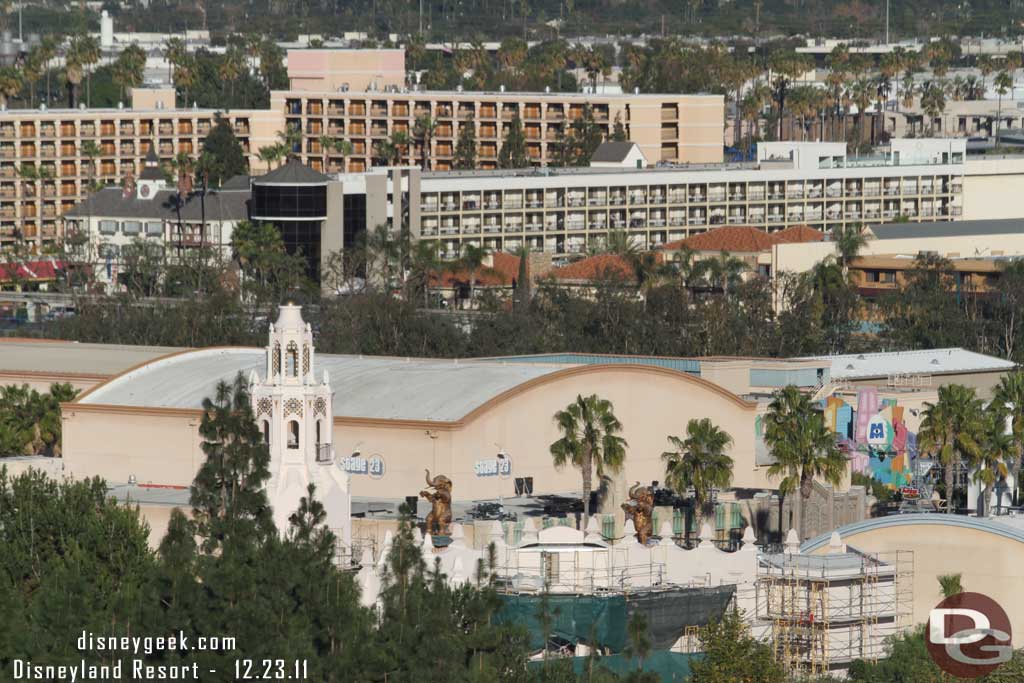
325, 454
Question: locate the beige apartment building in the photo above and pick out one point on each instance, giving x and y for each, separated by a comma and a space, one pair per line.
671, 128
45, 169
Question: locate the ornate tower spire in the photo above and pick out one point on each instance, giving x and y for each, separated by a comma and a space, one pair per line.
296, 416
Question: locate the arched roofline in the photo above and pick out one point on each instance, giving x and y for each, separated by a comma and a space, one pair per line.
559, 375
489, 404
154, 361
915, 519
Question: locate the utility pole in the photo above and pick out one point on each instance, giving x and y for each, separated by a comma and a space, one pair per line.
421, 18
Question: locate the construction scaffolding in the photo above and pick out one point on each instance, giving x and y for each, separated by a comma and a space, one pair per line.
822, 612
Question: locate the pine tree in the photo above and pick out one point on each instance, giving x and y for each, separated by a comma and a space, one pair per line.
226, 152
618, 130
513, 150
227, 497
465, 148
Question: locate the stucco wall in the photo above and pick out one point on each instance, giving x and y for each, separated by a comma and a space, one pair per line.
988, 181
990, 564
650, 403
162, 447
115, 444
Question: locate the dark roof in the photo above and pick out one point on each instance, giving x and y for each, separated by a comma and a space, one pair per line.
110, 202
237, 182
151, 156
292, 173
614, 152
1002, 226
151, 173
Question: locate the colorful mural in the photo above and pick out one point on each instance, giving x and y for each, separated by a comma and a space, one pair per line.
874, 434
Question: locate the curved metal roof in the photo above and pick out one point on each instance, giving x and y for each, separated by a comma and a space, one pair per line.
916, 519
364, 387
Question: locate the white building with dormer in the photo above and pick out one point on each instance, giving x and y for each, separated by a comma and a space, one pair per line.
146, 213
294, 410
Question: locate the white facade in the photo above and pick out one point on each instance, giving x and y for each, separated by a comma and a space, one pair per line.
295, 414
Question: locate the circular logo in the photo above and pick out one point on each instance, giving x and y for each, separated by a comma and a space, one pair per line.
144, 190
968, 635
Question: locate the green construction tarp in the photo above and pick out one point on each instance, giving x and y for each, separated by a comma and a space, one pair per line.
573, 618
602, 620
672, 667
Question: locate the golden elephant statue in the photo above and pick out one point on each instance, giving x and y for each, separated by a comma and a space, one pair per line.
440, 516
640, 509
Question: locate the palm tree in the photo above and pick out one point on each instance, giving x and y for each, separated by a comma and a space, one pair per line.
472, 260
425, 262
399, 143
47, 48
699, 461
952, 429
933, 103
423, 129
86, 49
1009, 396
950, 585
722, 272
92, 152
849, 240
803, 448
1003, 83
128, 70
231, 68
590, 441
990, 467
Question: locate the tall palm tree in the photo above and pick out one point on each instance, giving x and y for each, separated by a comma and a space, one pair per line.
423, 129
399, 143
699, 461
86, 50
990, 467
47, 49
231, 68
849, 240
1009, 396
1003, 84
590, 441
952, 429
425, 262
472, 260
723, 272
803, 447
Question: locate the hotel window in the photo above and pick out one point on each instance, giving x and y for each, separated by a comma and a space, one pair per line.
108, 227
293, 434
132, 227
154, 228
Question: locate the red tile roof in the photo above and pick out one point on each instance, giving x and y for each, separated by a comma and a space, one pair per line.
744, 239
503, 269
800, 234
44, 269
596, 267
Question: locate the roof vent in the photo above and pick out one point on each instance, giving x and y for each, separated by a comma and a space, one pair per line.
935, 361
849, 366
501, 88
860, 356
547, 89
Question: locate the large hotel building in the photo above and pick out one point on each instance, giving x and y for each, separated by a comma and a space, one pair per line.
355, 95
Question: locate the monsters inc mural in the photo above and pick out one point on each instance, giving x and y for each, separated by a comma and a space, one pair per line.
874, 433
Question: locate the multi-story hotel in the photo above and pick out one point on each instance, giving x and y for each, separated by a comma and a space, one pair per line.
671, 128
46, 166
815, 184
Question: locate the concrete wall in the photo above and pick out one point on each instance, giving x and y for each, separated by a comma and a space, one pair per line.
328, 69
989, 564
988, 184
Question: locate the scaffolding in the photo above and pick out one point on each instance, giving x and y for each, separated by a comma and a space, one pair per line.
821, 612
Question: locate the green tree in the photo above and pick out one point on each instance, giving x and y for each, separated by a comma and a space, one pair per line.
465, 148
268, 270
802, 447
908, 661
1003, 85
731, 655
849, 241
472, 260
226, 152
129, 68
700, 461
590, 441
994, 456
513, 149
952, 430
1009, 397
10, 84
228, 501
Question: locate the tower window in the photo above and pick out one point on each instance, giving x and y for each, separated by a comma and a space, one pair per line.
293, 434
318, 440
266, 432
292, 360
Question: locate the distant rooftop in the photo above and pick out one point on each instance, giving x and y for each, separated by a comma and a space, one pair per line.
1001, 226
926, 362
64, 357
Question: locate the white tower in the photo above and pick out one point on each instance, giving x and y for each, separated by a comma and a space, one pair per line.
296, 417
